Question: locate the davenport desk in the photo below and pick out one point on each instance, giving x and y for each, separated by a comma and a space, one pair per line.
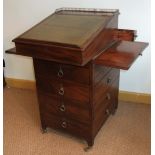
77, 56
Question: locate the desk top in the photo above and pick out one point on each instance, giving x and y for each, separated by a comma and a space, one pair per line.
70, 27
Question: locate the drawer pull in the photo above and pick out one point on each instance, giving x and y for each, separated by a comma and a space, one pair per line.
61, 91
108, 80
107, 112
60, 73
62, 108
108, 97
64, 124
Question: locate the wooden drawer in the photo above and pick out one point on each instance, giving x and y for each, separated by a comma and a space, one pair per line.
110, 96
68, 90
67, 125
53, 70
101, 117
99, 72
63, 107
101, 104
106, 105
104, 84
77, 111
124, 34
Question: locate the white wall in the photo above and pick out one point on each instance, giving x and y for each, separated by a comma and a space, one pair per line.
20, 15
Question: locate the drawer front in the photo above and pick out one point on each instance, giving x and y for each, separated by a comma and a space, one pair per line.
99, 72
64, 108
103, 111
67, 125
65, 89
124, 34
106, 105
104, 84
101, 104
53, 70
114, 94
77, 111
101, 117
110, 95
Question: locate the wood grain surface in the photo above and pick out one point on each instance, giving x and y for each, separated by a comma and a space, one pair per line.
121, 55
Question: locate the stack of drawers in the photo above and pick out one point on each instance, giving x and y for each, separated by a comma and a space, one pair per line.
105, 93
64, 96
75, 99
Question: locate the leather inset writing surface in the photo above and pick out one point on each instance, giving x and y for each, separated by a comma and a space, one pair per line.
66, 29
121, 55
69, 36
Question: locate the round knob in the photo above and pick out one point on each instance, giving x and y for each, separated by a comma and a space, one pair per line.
60, 73
61, 91
62, 108
108, 97
64, 124
108, 80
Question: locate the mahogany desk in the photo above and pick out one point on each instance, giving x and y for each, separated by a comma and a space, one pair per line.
77, 56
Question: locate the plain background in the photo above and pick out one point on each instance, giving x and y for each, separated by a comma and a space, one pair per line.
19, 16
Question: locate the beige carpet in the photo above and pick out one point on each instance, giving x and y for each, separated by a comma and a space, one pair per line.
126, 133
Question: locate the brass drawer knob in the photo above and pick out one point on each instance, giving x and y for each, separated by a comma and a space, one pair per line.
108, 80
107, 112
60, 73
64, 124
62, 108
61, 91
108, 97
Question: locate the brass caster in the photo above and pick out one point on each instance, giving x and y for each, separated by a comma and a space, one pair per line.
88, 148
44, 131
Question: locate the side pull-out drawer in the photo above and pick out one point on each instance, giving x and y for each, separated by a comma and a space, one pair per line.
124, 34
121, 55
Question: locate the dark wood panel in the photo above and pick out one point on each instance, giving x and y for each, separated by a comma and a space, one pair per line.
121, 55
104, 84
66, 89
99, 72
102, 102
111, 95
74, 111
98, 44
124, 34
52, 53
69, 54
105, 106
64, 108
118, 34
60, 71
77, 92
70, 126
101, 117
71, 29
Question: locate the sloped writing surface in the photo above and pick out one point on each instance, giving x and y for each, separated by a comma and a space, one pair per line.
66, 29
121, 55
